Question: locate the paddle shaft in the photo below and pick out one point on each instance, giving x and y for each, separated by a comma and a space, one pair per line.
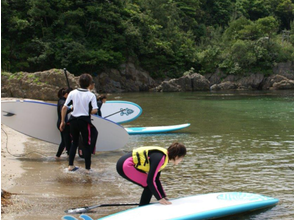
66, 77
87, 208
115, 113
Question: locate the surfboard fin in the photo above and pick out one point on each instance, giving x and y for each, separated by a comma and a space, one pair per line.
8, 114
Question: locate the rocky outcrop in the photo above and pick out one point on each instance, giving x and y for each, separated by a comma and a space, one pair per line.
282, 79
39, 85
45, 85
232, 82
191, 82
127, 79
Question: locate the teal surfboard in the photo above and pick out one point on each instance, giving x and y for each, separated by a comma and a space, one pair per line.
205, 206
156, 129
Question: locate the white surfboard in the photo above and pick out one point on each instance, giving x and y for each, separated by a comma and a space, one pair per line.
39, 120
120, 111
206, 206
156, 129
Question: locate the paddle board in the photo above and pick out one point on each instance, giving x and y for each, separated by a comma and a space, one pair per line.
120, 111
158, 129
39, 120
206, 206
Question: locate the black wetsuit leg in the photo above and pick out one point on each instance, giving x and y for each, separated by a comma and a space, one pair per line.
75, 134
61, 145
94, 136
146, 196
67, 138
84, 129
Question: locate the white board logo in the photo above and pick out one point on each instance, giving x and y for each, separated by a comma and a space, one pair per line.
239, 196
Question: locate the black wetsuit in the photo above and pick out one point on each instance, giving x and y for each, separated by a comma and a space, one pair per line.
65, 134
149, 181
99, 103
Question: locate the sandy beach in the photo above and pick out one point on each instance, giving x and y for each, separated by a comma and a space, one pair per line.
12, 146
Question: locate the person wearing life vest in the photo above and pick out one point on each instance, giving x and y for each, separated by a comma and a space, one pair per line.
143, 167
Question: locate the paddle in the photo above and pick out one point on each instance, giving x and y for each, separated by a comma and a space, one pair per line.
8, 114
87, 208
115, 113
66, 77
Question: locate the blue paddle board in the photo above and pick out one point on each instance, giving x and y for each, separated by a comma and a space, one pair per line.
120, 111
205, 206
156, 129
38, 119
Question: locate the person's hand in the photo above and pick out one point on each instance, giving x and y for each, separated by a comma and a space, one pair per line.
163, 201
62, 125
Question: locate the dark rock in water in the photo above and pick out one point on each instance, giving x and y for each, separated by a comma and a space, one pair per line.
191, 82
129, 78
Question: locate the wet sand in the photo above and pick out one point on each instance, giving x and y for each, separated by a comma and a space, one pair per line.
42, 188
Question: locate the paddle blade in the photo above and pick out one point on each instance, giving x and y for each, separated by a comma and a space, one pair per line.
77, 210
8, 114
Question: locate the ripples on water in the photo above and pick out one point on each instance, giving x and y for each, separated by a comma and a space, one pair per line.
236, 142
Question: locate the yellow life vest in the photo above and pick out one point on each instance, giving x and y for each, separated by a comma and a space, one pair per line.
141, 160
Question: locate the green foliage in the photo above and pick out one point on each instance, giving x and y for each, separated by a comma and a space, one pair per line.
165, 37
253, 45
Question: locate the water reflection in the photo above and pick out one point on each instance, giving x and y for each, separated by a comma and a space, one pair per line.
240, 141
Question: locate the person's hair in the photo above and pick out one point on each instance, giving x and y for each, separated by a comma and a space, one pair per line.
85, 80
101, 97
176, 150
63, 91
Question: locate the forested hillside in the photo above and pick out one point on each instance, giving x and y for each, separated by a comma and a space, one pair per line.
165, 37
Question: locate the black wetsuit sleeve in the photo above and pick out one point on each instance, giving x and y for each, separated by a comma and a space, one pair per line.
99, 103
159, 186
156, 159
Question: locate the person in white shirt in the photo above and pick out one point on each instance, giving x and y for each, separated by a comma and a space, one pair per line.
84, 104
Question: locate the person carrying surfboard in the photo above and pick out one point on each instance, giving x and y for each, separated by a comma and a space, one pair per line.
100, 100
143, 167
84, 104
94, 131
65, 134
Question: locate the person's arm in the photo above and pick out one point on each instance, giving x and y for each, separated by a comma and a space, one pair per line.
156, 161
64, 111
94, 111
94, 105
63, 114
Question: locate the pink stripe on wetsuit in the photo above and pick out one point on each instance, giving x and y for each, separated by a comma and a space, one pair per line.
150, 179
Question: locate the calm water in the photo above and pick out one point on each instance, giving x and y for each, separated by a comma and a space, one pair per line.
237, 141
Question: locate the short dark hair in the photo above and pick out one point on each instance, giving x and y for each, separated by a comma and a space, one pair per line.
85, 80
63, 91
101, 97
176, 150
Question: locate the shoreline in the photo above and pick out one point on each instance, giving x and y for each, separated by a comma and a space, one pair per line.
12, 145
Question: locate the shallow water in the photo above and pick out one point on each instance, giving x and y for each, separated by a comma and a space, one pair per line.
237, 141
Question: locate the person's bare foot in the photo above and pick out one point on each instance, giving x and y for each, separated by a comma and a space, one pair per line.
89, 171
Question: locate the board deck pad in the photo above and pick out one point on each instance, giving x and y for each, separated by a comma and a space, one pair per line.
38, 119
204, 206
120, 111
156, 129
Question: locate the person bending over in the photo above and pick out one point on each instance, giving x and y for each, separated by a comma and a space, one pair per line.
143, 167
